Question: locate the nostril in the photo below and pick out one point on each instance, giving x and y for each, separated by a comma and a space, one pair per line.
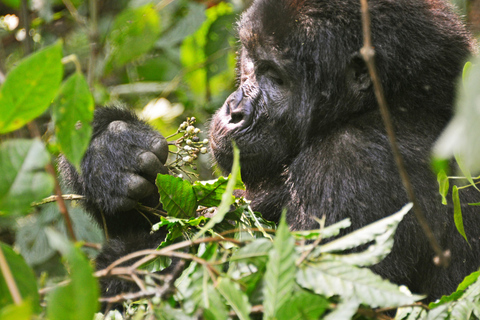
236, 117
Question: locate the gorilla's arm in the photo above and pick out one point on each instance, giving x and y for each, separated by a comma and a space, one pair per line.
119, 170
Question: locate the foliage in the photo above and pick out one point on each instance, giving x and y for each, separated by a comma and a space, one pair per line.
177, 57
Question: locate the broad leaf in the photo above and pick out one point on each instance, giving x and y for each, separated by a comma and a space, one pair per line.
235, 297
280, 275
23, 311
24, 280
332, 278
325, 233
345, 310
72, 113
443, 185
78, 299
22, 176
134, 33
303, 305
177, 196
30, 88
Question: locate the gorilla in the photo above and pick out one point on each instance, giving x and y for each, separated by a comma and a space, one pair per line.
310, 134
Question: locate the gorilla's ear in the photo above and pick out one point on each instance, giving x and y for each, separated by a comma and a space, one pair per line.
357, 73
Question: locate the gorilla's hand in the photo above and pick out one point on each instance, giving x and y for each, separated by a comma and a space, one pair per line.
121, 163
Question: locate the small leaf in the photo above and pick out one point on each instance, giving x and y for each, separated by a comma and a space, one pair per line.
469, 280
134, 33
465, 171
345, 310
332, 278
30, 88
22, 176
72, 114
327, 232
209, 193
235, 297
23, 311
227, 198
78, 299
24, 279
177, 196
443, 185
280, 275
457, 213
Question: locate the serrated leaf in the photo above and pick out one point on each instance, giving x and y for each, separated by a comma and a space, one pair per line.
457, 213
78, 299
411, 313
462, 309
23, 277
345, 310
366, 234
177, 196
134, 33
209, 193
227, 198
72, 113
303, 305
235, 297
327, 232
338, 278
280, 275
469, 280
443, 185
216, 309
30, 88
22, 176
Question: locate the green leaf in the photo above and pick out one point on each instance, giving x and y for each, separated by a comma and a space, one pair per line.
218, 46
23, 311
227, 198
381, 231
177, 196
134, 33
209, 193
280, 275
30, 88
235, 297
327, 232
22, 176
332, 278
303, 305
443, 185
465, 171
457, 213
78, 299
345, 310
411, 313
469, 280
72, 113
215, 309
12, 3
24, 279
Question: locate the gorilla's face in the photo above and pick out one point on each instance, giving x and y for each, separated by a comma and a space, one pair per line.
262, 116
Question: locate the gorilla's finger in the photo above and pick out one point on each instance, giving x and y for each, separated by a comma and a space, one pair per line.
149, 164
160, 148
125, 204
139, 187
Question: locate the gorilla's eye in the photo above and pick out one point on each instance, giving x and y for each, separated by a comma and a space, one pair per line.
270, 72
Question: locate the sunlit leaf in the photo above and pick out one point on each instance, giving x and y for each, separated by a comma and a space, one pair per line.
209, 193
72, 113
177, 196
457, 213
30, 88
23, 311
22, 176
303, 305
443, 185
345, 310
280, 275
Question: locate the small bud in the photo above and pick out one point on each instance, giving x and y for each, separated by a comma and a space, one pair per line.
194, 156
187, 159
190, 129
196, 139
203, 150
205, 141
183, 125
187, 148
193, 119
189, 142
196, 130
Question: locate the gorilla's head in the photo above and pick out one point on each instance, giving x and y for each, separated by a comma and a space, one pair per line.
300, 74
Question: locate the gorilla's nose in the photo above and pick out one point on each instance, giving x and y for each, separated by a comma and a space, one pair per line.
239, 110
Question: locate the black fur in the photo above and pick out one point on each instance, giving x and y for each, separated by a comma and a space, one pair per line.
311, 138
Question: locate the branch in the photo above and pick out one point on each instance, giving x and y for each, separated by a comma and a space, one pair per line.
7, 275
368, 54
55, 198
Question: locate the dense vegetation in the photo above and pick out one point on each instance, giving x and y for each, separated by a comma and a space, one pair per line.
170, 61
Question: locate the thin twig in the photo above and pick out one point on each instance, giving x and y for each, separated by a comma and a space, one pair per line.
314, 245
368, 54
27, 42
7, 275
54, 198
